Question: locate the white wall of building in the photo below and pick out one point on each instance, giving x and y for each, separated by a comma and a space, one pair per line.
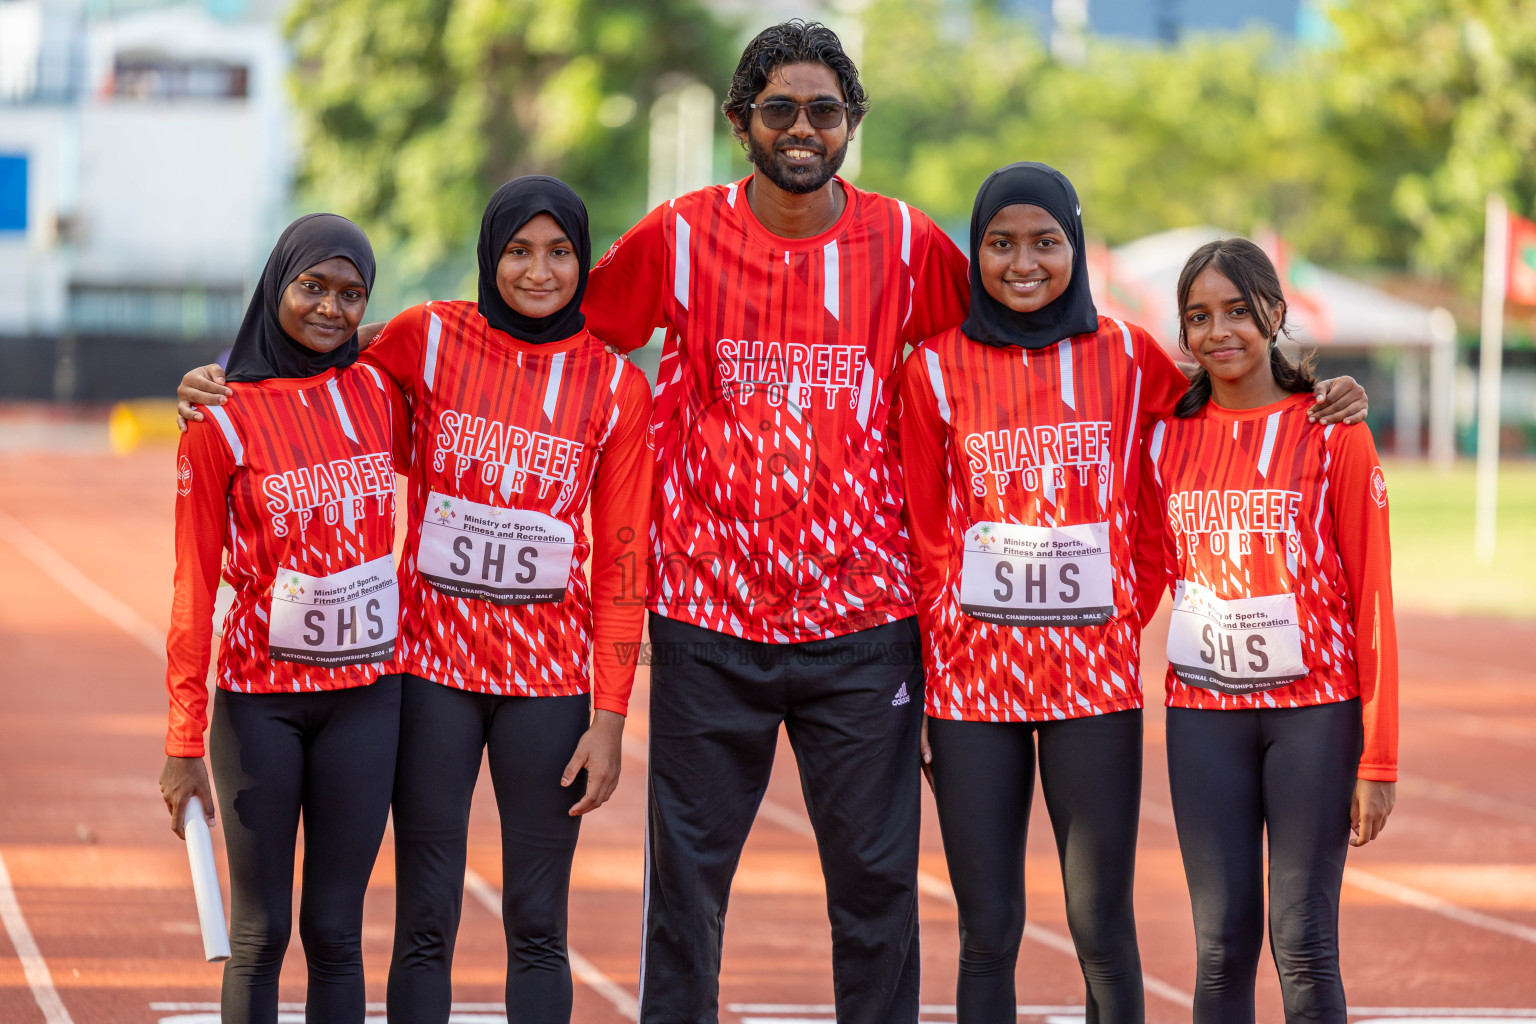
158, 195
33, 272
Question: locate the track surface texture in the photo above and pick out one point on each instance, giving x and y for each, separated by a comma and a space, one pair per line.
1439, 916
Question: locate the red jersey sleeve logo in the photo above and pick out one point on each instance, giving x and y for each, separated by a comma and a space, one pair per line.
608, 256
1378, 488
184, 476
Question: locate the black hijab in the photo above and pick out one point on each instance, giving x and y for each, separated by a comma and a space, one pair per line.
512, 206
263, 349
1071, 313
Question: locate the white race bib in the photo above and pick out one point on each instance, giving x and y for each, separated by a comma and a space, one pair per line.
1017, 575
500, 555
1239, 646
346, 618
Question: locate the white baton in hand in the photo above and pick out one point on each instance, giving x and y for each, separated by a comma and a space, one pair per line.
205, 882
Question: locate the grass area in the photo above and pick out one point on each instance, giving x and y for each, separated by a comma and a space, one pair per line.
1434, 568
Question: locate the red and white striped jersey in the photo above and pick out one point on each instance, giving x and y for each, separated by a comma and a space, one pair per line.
778, 502
1278, 550
296, 479
511, 442
1023, 480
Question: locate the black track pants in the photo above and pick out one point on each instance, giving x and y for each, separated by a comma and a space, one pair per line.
852, 706
443, 732
984, 783
1235, 775
331, 756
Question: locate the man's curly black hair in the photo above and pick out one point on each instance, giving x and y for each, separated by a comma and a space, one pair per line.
792, 42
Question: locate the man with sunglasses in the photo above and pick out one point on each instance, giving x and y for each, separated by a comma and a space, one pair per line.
780, 589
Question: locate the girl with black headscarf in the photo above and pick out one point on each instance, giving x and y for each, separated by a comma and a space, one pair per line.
1039, 559
296, 481
521, 422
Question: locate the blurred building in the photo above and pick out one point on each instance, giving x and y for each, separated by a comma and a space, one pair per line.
145, 163
1167, 20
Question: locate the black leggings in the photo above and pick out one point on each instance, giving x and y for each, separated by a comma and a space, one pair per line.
984, 782
330, 755
1234, 775
443, 731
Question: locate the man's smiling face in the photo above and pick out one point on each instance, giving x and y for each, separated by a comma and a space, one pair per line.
801, 158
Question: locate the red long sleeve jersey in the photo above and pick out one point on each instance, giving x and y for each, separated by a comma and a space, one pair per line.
1277, 547
778, 503
1023, 480
296, 478
510, 443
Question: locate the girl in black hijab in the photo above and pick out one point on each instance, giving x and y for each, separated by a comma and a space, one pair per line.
294, 477
1039, 560
511, 207
263, 348
521, 422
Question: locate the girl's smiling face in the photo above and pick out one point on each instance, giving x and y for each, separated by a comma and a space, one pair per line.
1025, 259
539, 269
321, 308
1225, 333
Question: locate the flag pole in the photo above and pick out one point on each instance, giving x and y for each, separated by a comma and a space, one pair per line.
1490, 367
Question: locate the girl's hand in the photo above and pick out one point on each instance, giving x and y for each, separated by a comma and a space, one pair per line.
600, 752
1339, 400
181, 779
202, 386
1368, 811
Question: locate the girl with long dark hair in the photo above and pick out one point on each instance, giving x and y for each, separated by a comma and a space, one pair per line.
1282, 649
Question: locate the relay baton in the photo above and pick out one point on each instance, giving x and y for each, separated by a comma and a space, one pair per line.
205, 883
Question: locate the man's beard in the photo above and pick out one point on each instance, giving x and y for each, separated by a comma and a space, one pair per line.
795, 180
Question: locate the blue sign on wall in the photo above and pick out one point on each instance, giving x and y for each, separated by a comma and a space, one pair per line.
13, 192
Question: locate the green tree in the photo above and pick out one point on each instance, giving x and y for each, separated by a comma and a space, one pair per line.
413, 111
1440, 97
1226, 130
1377, 150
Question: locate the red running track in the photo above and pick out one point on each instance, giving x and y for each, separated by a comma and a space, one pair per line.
1439, 917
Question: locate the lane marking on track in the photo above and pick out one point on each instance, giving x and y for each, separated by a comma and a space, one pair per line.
1453, 1012
489, 897
1457, 796
297, 1017
32, 963
942, 1009
90, 593
1406, 894
1162, 814
932, 885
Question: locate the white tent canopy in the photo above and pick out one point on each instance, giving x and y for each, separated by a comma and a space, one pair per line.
1328, 309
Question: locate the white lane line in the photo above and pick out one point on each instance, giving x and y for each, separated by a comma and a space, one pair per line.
932, 885
63, 572
500, 1008
32, 963
1457, 796
1162, 814
943, 1009
297, 1017
584, 970
1443, 1011
1436, 905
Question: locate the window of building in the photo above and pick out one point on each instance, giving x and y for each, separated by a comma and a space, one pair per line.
157, 77
170, 313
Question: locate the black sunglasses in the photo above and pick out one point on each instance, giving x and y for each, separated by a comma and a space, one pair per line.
780, 114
